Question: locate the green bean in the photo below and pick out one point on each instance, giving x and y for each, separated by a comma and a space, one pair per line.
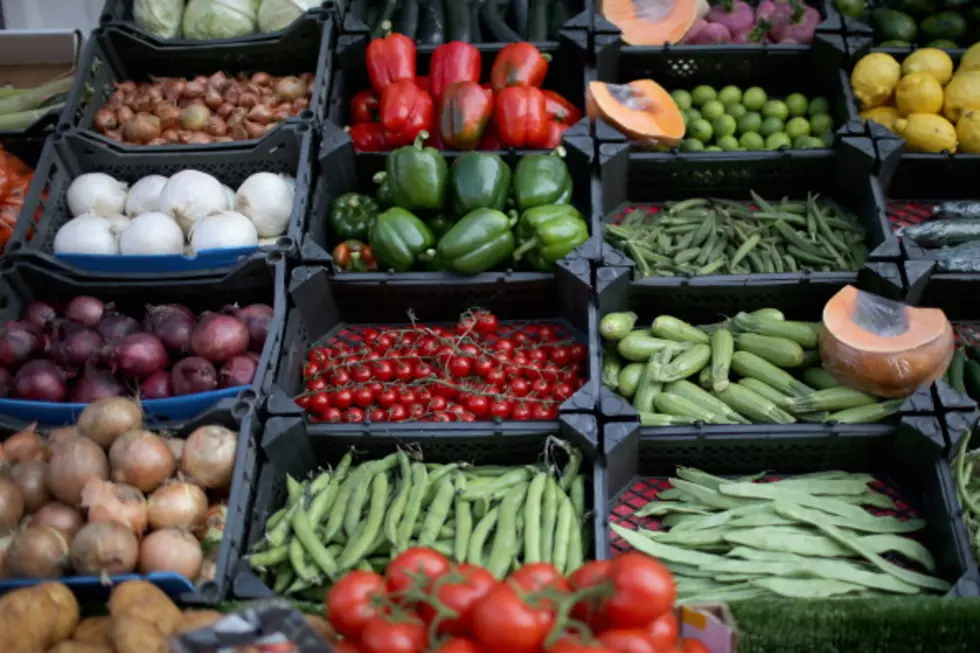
437, 512
283, 579
277, 536
398, 503
504, 482
532, 517
481, 532
296, 555
358, 547
276, 518
321, 503
505, 543
269, 557
413, 506
577, 495
316, 550
464, 529
336, 518
549, 517
294, 489
563, 533
571, 468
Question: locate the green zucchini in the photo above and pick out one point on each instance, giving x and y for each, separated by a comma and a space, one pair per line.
518, 9
974, 353
754, 406
537, 19
408, 18
385, 15
971, 379
560, 13
778, 351
432, 23
955, 371
866, 414
499, 30
819, 378
943, 233
458, 26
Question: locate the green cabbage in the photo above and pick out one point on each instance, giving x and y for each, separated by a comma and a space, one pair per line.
275, 15
218, 19
159, 17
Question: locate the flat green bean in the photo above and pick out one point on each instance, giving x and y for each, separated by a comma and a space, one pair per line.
480, 534
438, 511
413, 506
563, 533
357, 547
505, 543
532, 518
549, 517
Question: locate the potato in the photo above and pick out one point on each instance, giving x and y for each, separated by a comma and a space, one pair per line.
132, 634
138, 598
73, 646
28, 620
94, 630
196, 619
68, 614
321, 626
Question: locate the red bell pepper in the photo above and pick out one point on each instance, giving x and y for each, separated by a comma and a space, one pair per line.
422, 81
354, 256
390, 59
435, 140
518, 64
491, 139
560, 110
555, 131
364, 107
521, 117
464, 110
369, 137
452, 62
406, 110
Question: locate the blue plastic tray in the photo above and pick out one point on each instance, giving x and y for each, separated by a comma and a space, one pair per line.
208, 259
89, 589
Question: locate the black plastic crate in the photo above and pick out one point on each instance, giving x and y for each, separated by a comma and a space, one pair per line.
289, 149
321, 309
845, 175
779, 70
113, 55
339, 170
579, 17
567, 72
27, 146
119, 14
799, 300
290, 447
909, 463
258, 280
862, 32
239, 415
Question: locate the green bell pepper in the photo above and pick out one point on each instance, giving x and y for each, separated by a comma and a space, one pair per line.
399, 239
417, 176
351, 216
440, 224
478, 181
549, 233
478, 242
542, 179
383, 194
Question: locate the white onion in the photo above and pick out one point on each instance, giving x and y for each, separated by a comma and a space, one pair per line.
223, 230
118, 222
86, 234
267, 200
190, 195
231, 195
96, 192
144, 196
151, 233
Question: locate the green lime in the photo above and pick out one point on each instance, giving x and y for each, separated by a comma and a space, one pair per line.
713, 148
771, 126
703, 94
750, 122
820, 123
827, 138
778, 140
775, 109
712, 109
819, 105
730, 95
724, 126
811, 143
736, 110
754, 98
752, 141
701, 130
682, 99
797, 104
728, 143
797, 127
691, 115
800, 142
691, 145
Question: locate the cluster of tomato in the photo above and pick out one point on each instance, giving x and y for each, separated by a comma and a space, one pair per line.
15, 177
481, 370
426, 603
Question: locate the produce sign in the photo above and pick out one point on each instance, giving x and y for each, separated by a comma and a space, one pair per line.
451, 106
482, 370
15, 178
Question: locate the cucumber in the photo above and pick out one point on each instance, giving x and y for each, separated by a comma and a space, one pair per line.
499, 30
944, 25
385, 15
971, 379
891, 24
943, 44
458, 25
921, 7
432, 23
956, 371
537, 19
943, 233
560, 13
519, 10
408, 18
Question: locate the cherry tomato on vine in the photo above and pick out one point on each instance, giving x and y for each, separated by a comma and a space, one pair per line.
316, 384
403, 371
504, 345
387, 398
416, 410
339, 378
479, 406
319, 403
500, 409
428, 346
502, 622
629, 640
689, 645
397, 413
574, 644
423, 395
422, 370
441, 416
486, 322
455, 409
458, 645
496, 377
437, 404
341, 399
664, 631
459, 590
406, 397
383, 371
344, 647
540, 387
537, 355
412, 562
349, 602
644, 590
588, 575
363, 397
544, 411
560, 356
532, 577
482, 366
354, 415
378, 415
521, 338
467, 417
310, 370
385, 635
546, 332
520, 359
465, 324
332, 414
460, 366
519, 387
471, 350
577, 352
360, 374
521, 412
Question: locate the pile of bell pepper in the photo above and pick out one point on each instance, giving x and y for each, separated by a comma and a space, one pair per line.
451, 105
471, 217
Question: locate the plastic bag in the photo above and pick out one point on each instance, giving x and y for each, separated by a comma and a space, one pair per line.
159, 17
262, 627
881, 346
219, 19
275, 15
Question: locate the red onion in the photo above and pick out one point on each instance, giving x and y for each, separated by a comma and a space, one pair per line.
256, 318
217, 337
139, 355
40, 314
95, 384
238, 370
116, 326
75, 345
193, 375
40, 380
6, 382
157, 386
18, 342
85, 310
172, 324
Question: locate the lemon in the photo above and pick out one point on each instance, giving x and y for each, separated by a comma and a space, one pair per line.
927, 132
886, 116
874, 79
968, 132
971, 59
931, 61
919, 93
962, 93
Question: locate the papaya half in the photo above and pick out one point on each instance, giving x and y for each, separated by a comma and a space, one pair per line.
642, 110
651, 22
883, 347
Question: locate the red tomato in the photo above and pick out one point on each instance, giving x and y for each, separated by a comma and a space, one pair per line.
486, 322
502, 621
344, 647
458, 645
417, 560
459, 591
626, 640
348, 603
381, 635
573, 644
588, 575
538, 575
644, 590
693, 646
663, 631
